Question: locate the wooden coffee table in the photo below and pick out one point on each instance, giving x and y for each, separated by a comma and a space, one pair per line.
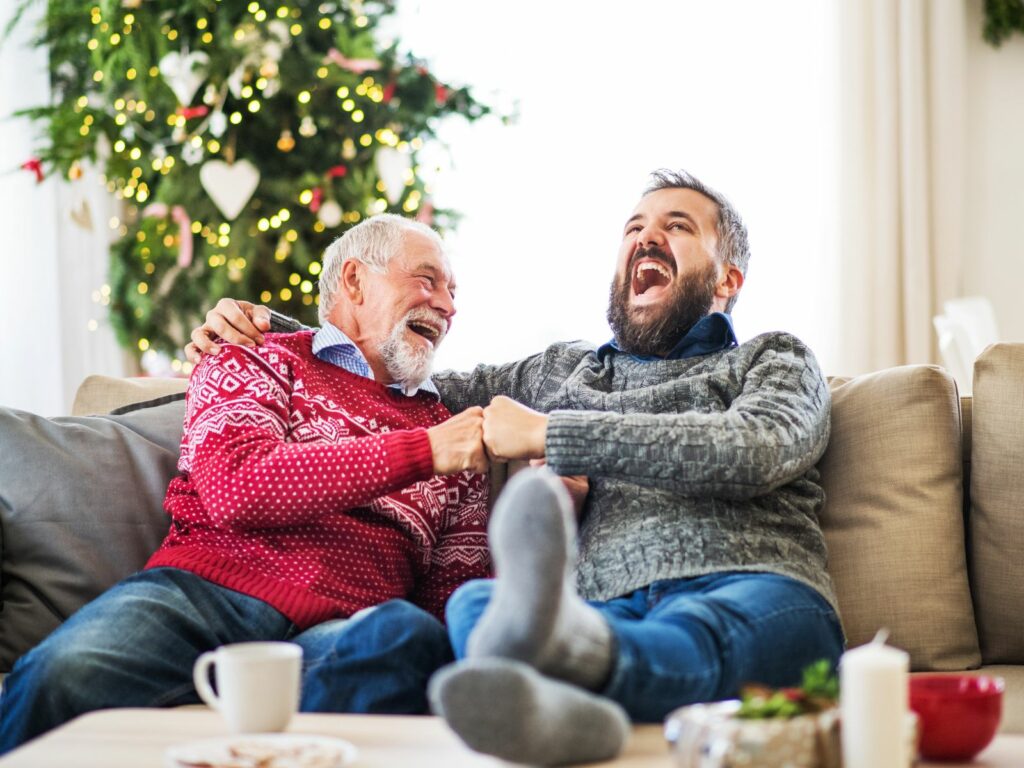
137, 738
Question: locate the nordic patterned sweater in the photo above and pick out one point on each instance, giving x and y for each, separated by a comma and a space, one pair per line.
312, 488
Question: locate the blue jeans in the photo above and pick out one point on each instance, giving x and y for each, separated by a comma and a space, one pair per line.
134, 646
683, 641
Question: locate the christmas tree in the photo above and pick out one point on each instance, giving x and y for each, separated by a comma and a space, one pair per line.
243, 136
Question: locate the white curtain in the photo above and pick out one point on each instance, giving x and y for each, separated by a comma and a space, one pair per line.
52, 333
902, 176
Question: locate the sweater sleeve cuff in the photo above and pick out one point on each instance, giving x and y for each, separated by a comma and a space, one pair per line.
283, 324
409, 456
569, 444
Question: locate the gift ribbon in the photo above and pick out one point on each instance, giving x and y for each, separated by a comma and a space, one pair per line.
35, 165
358, 66
180, 215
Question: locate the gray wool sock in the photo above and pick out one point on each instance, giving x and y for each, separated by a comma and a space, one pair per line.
535, 615
507, 709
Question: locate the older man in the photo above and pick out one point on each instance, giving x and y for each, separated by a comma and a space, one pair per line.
320, 478
699, 547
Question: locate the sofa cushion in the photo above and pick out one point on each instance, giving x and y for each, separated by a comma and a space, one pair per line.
893, 519
81, 507
996, 523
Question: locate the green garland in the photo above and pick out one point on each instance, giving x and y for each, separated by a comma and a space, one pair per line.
1002, 19
300, 89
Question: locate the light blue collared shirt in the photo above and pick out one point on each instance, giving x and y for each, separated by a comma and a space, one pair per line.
331, 345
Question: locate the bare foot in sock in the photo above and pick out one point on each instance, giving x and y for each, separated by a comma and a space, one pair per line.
535, 615
507, 709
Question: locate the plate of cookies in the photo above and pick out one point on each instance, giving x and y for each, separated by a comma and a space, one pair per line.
270, 750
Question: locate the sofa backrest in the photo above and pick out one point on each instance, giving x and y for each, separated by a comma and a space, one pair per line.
901, 451
996, 520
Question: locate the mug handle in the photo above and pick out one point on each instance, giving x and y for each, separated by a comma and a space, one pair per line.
201, 679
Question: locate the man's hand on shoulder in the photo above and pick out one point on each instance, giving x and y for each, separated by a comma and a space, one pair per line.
513, 431
458, 444
237, 322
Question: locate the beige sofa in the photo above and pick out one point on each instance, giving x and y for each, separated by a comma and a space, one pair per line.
923, 518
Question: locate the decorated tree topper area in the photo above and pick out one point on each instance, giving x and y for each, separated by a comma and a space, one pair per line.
243, 136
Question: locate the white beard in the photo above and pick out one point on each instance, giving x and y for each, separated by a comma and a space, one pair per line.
408, 364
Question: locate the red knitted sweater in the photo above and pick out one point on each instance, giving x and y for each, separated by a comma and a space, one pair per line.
311, 488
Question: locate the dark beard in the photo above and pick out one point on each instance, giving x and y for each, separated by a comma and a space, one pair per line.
657, 331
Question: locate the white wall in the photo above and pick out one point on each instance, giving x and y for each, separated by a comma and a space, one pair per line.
994, 215
30, 351
740, 92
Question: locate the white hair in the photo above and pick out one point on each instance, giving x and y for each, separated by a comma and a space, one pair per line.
373, 242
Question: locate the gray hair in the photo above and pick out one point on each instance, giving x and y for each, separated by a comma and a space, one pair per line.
373, 242
733, 245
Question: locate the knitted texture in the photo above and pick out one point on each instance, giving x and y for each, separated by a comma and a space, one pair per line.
311, 488
696, 466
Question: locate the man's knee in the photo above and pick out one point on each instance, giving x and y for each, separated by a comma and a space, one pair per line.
398, 624
470, 598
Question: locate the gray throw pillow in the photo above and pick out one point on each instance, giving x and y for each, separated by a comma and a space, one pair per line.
81, 507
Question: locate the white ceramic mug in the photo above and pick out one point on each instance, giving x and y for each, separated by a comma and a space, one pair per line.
257, 684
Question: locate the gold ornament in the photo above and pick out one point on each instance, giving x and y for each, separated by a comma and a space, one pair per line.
348, 149
75, 171
287, 142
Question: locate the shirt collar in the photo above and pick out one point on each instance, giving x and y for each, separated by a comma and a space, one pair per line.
712, 333
333, 346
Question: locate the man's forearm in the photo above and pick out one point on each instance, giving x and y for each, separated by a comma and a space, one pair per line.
773, 432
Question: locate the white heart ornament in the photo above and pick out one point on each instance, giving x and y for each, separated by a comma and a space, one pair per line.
184, 73
229, 186
391, 168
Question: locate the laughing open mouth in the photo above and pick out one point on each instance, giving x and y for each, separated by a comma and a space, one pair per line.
648, 274
427, 330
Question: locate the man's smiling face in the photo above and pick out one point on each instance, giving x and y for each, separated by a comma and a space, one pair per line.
408, 309
668, 275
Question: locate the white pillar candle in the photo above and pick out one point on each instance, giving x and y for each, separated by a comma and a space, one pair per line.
873, 684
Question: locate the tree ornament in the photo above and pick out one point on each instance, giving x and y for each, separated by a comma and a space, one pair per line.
184, 73
392, 167
75, 171
307, 127
316, 199
229, 186
287, 142
34, 165
348, 149
356, 66
81, 215
218, 124
330, 214
426, 213
191, 153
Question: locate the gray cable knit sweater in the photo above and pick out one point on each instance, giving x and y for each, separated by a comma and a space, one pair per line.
696, 466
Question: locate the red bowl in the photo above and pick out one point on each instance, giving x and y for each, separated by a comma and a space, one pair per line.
958, 715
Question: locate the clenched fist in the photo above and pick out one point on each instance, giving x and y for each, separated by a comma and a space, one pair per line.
513, 431
458, 444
